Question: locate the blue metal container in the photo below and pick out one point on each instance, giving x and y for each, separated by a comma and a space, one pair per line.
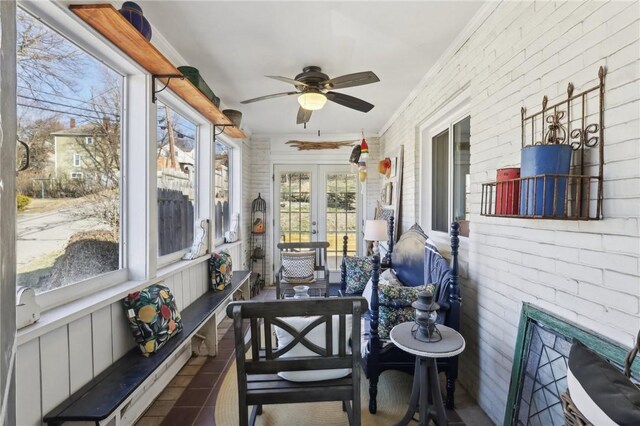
541, 160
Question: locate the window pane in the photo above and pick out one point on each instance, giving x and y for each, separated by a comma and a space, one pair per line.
222, 185
176, 175
69, 198
295, 210
440, 182
341, 214
461, 156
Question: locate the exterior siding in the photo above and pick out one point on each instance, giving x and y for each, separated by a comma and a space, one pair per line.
585, 272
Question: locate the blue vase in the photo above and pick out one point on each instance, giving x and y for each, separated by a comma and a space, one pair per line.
133, 13
537, 194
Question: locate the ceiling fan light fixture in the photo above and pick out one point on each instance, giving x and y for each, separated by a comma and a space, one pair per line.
312, 101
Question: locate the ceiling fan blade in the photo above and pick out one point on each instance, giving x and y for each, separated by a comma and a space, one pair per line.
304, 115
349, 101
288, 80
351, 80
262, 98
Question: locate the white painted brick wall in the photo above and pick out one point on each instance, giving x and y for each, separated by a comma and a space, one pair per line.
586, 272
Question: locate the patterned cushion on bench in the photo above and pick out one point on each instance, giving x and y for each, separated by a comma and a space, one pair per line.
395, 305
153, 317
358, 273
221, 270
298, 267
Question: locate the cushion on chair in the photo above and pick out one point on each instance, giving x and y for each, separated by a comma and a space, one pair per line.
407, 259
153, 317
316, 336
358, 273
599, 391
298, 267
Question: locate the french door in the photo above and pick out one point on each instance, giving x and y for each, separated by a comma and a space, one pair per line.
317, 203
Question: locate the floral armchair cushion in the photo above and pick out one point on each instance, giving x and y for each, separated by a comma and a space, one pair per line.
153, 317
395, 305
358, 273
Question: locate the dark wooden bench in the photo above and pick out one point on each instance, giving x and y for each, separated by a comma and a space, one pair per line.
258, 381
109, 394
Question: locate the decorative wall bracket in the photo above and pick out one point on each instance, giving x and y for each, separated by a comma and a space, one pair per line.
217, 132
154, 77
576, 121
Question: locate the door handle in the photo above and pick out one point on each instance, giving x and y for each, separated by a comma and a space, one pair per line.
25, 164
314, 232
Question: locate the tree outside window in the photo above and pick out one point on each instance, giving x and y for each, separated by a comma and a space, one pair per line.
222, 185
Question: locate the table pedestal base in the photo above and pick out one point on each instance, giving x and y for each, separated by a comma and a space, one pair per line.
425, 394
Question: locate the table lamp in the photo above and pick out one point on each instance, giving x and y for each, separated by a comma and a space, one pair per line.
376, 230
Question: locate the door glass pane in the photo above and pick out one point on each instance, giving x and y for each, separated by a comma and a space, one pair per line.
461, 183
295, 207
440, 183
341, 216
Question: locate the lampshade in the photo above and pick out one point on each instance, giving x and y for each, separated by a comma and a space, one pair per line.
312, 100
375, 230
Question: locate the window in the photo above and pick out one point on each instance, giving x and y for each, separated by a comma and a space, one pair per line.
176, 176
450, 156
88, 140
222, 187
65, 96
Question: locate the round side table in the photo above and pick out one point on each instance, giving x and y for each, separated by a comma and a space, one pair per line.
426, 385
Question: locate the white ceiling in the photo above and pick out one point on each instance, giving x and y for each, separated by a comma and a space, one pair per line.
235, 44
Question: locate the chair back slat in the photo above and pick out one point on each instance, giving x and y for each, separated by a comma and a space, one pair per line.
268, 347
255, 337
342, 336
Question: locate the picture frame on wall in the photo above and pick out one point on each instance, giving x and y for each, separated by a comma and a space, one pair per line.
391, 190
388, 193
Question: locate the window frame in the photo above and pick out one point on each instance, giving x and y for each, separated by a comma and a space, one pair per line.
202, 131
231, 179
58, 19
89, 140
78, 175
444, 119
77, 159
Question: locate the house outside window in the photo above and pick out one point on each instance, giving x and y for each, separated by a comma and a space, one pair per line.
448, 151
82, 224
222, 190
176, 180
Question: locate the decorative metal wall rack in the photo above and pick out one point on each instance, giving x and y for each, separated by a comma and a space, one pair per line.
576, 121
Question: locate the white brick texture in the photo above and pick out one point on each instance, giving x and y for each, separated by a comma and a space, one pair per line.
586, 272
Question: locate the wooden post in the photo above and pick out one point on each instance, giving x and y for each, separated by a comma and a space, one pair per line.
374, 338
453, 316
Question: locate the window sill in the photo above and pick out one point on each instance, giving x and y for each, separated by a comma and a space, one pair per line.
227, 246
62, 315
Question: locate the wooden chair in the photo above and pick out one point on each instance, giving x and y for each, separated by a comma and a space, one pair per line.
321, 267
258, 381
410, 258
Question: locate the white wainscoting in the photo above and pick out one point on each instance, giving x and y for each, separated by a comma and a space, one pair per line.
53, 366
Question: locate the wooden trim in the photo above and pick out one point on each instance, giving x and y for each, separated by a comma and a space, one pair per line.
106, 20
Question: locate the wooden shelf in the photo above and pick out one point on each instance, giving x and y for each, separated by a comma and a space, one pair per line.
105, 19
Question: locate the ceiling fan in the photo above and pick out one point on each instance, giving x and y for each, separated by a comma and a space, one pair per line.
313, 88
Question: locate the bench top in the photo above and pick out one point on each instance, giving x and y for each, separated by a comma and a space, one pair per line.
104, 393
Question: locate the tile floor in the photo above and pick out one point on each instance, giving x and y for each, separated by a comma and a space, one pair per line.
190, 397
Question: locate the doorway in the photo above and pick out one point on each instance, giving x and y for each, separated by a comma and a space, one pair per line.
317, 203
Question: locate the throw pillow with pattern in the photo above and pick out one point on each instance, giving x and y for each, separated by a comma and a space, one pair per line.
395, 305
298, 267
358, 273
153, 317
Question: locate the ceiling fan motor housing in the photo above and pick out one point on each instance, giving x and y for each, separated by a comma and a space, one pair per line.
313, 76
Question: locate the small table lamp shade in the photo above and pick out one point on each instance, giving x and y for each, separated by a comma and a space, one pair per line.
375, 230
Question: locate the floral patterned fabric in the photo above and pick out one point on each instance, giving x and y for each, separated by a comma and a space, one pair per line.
153, 317
221, 270
358, 273
395, 305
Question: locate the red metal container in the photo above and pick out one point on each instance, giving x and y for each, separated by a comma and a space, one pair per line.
508, 191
